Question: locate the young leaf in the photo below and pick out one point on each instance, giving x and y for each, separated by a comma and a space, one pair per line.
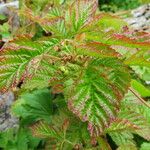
81, 13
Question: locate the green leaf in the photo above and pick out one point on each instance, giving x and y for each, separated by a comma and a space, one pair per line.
127, 147
37, 105
122, 138
145, 146
5, 137
137, 118
16, 139
145, 111
80, 13
103, 144
2, 17
140, 58
22, 140
111, 22
96, 94
142, 72
121, 125
141, 89
4, 30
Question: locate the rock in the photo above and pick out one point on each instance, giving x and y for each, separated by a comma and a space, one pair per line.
7, 120
140, 19
5, 9
147, 15
139, 11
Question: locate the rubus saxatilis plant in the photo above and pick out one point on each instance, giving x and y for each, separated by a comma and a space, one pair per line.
87, 57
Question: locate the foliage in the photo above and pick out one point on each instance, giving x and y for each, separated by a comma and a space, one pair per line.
115, 5
145, 146
77, 73
37, 105
4, 27
16, 139
2, 17
144, 92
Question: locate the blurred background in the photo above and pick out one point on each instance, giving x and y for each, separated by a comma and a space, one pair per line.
118, 5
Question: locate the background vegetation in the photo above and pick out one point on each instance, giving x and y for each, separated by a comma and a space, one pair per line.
118, 5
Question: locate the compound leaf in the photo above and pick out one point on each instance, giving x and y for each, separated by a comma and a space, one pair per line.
96, 95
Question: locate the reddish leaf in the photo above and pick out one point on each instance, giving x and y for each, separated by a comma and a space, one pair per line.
98, 49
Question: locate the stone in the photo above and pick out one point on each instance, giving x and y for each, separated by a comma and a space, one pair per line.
140, 19
7, 120
147, 15
139, 11
4, 7
5, 10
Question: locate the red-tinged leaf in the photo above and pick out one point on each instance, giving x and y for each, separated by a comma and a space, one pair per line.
142, 36
23, 60
80, 37
97, 49
95, 96
58, 88
138, 120
119, 39
50, 22
56, 25
44, 130
29, 14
